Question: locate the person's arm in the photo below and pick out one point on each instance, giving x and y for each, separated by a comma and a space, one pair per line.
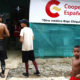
32, 34
21, 39
7, 34
21, 36
72, 65
78, 76
33, 37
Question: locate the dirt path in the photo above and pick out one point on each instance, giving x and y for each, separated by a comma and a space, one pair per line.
49, 68
55, 67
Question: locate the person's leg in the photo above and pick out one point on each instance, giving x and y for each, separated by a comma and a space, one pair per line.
36, 67
32, 57
35, 64
3, 68
25, 60
27, 66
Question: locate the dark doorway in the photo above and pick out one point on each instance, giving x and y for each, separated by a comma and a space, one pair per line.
18, 10
17, 13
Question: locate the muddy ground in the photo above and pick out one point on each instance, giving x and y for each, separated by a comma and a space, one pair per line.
50, 67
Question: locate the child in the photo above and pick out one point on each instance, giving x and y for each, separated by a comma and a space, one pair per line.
26, 38
75, 73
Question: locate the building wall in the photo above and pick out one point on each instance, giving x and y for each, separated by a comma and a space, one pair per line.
55, 40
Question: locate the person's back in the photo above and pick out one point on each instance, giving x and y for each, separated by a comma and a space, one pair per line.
3, 31
28, 39
3, 53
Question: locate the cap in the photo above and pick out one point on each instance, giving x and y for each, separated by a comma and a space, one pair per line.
23, 21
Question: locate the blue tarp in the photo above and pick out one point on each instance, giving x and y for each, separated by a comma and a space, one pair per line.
55, 40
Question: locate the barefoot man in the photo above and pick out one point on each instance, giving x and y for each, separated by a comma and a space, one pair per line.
3, 54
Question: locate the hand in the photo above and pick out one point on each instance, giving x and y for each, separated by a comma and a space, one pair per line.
78, 76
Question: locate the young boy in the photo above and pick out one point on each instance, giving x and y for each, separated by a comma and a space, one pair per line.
75, 73
26, 38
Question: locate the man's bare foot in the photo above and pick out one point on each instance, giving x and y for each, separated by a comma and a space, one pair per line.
2, 75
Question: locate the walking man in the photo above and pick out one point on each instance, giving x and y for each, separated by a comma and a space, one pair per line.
26, 38
4, 33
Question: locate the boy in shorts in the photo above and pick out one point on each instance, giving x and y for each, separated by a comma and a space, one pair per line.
75, 73
26, 38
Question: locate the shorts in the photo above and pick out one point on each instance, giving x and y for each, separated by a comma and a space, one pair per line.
2, 45
3, 55
28, 55
3, 52
73, 78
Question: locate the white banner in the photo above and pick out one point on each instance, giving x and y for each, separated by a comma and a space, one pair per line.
55, 11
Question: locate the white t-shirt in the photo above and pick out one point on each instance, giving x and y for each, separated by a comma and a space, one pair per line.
27, 35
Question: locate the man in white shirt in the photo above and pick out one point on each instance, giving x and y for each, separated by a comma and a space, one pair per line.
26, 38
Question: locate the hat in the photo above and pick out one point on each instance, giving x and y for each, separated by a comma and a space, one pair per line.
23, 21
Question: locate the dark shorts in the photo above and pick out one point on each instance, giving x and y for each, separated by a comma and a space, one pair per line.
3, 52
3, 55
28, 55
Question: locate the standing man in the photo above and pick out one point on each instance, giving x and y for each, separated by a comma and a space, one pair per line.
26, 38
3, 54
